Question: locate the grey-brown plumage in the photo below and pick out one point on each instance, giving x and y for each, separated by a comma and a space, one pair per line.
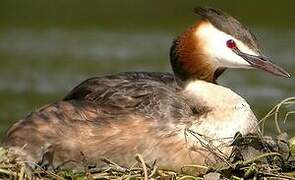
153, 94
92, 119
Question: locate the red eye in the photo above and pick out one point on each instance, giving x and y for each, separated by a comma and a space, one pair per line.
231, 44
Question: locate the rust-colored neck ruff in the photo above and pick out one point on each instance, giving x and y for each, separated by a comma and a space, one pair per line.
188, 59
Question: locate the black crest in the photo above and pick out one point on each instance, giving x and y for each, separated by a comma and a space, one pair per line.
229, 25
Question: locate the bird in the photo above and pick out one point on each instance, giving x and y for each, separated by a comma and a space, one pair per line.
178, 118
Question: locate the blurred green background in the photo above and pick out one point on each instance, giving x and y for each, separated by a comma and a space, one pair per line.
47, 47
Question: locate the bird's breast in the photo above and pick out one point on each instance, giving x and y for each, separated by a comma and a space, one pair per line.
227, 114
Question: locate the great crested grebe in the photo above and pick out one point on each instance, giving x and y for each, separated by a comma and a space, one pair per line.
118, 116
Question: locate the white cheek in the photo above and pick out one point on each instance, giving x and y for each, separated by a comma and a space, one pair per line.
214, 43
225, 56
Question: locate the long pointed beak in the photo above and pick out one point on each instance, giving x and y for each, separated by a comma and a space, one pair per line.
261, 62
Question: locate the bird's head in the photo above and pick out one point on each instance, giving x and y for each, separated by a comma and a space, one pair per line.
216, 42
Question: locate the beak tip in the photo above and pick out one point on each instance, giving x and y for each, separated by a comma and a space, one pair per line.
288, 75
285, 74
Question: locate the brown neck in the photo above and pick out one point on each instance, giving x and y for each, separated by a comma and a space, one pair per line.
188, 60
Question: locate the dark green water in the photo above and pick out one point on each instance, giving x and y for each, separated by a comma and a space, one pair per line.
47, 47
